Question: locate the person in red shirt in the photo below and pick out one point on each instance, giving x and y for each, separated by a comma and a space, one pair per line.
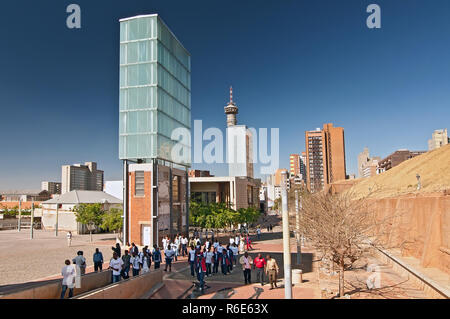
259, 264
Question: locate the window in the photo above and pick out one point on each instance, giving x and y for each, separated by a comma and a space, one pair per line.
139, 184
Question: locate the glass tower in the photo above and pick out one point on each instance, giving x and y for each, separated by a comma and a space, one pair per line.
155, 89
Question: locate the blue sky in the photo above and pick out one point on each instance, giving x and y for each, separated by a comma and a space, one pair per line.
293, 65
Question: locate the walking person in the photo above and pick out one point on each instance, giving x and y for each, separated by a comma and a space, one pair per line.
69, 238
133, 249
259, 263
241, 246
272, 271
230, 259
126, 258
169, 254
156, 256
116, 264
135, 262
80, 262
68, 282
246, 261
200, 269
98, 260
191, 260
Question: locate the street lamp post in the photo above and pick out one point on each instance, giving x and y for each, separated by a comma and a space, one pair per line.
57, 217
20, 215
297, 230
32, 219
286, 240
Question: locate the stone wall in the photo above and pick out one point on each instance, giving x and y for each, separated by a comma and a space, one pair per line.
419, 225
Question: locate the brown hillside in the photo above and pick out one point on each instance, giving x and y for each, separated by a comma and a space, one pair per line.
433, 167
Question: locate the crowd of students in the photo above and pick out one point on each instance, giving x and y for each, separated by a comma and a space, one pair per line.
204, 259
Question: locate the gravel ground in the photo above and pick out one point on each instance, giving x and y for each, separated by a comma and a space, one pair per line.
23, 260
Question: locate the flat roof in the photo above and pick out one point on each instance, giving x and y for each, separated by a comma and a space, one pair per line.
162, 21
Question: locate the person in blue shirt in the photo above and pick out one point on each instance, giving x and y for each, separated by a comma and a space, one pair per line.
156, 256
98, 260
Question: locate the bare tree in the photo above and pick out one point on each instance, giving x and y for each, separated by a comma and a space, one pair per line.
342, 227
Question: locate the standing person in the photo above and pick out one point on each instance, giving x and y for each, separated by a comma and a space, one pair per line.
169, 254
184, 243
117, 250
235, 251
216, 244
249, 242
126, 265
145, 262
271, 228
200, 269
230, 259
241, 245
135, 262
212, 235
69, 238
236, 240
258, 232
272, 271
246, 262
68, 273
80, 262
191, 260
260, 264
116, 264
174, 246
156, 256
268, 228
216, 261
134, 249
98, 260
231, 240
208, 260
224, 261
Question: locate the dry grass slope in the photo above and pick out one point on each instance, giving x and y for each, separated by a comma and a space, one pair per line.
433, 168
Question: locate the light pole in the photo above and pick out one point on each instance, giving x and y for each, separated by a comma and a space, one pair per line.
32, 219
20, 215
57, 215
286, 240
297, 230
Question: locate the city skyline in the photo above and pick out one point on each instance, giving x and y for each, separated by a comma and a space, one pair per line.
379, 85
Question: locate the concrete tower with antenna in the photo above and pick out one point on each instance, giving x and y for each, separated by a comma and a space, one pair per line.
231, 110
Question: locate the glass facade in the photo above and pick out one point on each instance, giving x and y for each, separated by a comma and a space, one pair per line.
155, 89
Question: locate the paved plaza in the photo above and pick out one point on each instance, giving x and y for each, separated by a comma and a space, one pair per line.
23, 260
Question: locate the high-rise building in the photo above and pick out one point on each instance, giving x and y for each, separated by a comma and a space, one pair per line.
81, 177
303, 166
325, 156
51, 187
294, 165
367, 166
438, 139
239, 143
155, 100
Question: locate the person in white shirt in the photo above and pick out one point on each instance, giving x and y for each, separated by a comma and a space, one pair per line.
236, 240
191, 260
235, 251
69, 238
184, 242
208, 258
80, 262
145, 263
231, 240
68, 273
219, 248
135, 261
116, 264
216, 244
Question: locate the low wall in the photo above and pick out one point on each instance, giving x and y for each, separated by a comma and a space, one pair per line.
52, 289
419, 225
133, 288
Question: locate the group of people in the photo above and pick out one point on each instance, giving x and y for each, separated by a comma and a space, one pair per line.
204, 259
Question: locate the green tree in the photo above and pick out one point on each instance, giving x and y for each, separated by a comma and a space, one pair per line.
112, 220
90, 215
